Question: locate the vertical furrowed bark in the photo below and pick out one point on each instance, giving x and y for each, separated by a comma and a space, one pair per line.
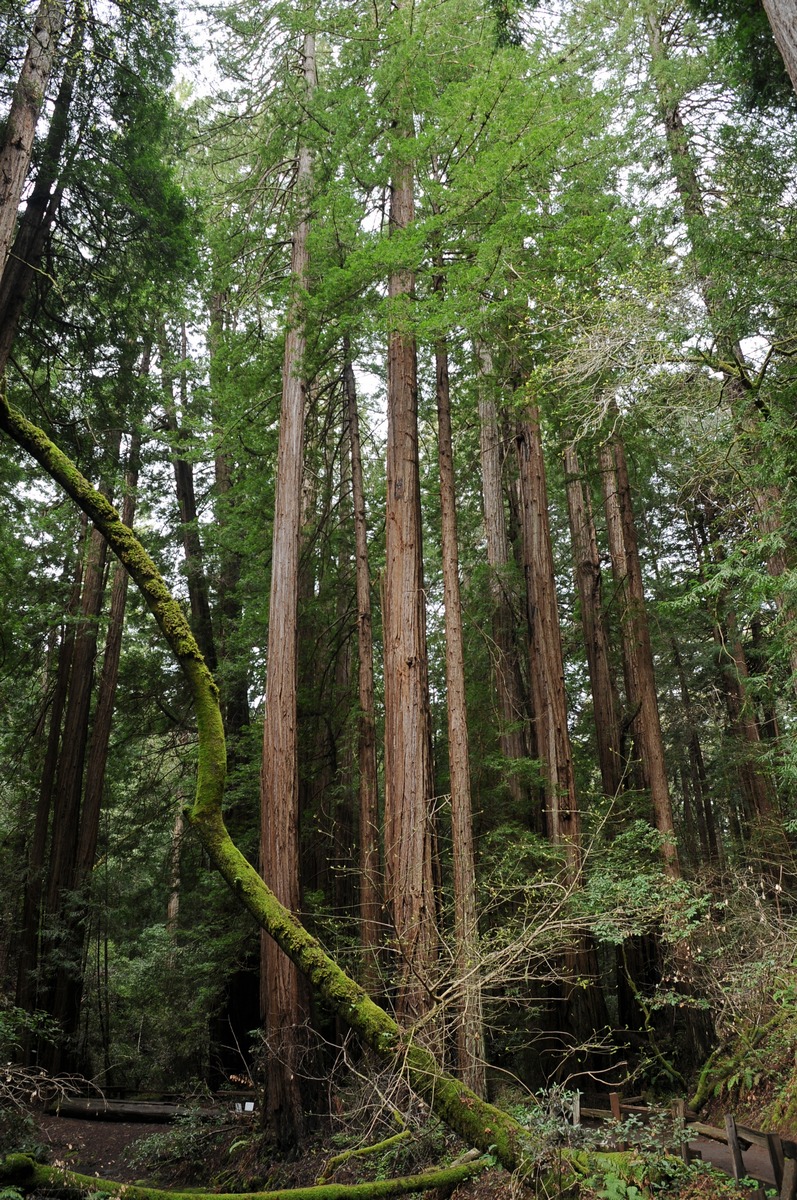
283, 993
26, 105
409, 881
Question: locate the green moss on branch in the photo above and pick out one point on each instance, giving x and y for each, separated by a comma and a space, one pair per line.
21, 1172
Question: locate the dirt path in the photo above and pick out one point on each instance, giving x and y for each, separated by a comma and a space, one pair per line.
95, 1147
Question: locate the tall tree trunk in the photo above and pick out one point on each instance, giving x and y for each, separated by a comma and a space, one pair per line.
470, 1033
409, 878
233, 680
26, 105
637, 651
198, 591
513, 716
61, 880
283, 993
42, 205
370, 884
589, 579
547, 663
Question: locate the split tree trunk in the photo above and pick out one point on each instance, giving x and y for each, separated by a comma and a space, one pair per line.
283, 993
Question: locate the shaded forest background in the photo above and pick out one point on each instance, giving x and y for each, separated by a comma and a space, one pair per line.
442, 356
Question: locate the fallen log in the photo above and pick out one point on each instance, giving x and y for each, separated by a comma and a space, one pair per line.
20, 1172
120, 1110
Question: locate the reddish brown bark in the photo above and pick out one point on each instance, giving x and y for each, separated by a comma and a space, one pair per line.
283, 992
409, 879
637, 651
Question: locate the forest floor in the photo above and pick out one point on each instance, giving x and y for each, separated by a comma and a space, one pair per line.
95, 1147
103, 1148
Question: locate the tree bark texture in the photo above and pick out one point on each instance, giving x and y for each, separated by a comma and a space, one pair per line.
408, 832
42, 206
589, 580
783, 19
513, 714
470, 1033
370, 881
637, 650
547, 663
26, 105
283, 993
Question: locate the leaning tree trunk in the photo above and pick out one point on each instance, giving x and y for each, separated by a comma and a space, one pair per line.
20, 125
470, 1032
408, 832
42, 204
637, 651
783, 19
283, 993
370, 889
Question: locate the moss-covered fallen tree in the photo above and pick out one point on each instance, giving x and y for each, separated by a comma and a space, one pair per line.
480, 1124
20, 1172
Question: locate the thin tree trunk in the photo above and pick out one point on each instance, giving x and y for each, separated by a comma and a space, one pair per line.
233, 680
470, 1033
513, 717
637, 651
589, 579
26, 105
198, 591
27, 976
370, 893
283, 994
